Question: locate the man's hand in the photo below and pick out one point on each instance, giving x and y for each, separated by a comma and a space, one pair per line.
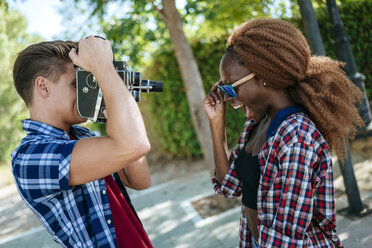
94, 54
126, 141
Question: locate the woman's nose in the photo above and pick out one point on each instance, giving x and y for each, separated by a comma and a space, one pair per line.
227, 97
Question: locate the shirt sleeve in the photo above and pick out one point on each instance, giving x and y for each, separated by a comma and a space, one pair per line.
43, 169
230, 186
324, 201
293, 198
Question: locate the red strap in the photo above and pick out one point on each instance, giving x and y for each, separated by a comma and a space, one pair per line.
72, 137
129, 232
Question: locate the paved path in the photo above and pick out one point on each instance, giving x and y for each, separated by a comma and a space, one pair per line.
171, 222
174, 223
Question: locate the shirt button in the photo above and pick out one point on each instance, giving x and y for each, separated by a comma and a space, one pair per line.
109, 222
103, 192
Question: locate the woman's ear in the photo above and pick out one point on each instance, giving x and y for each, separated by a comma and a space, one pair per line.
41, 86
260, 81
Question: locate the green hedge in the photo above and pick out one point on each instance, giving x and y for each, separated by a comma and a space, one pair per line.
170, 116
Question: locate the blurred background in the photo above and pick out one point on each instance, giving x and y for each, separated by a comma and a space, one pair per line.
141, 38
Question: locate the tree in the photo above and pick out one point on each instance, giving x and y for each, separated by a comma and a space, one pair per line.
133, 33
12, 39
190, 74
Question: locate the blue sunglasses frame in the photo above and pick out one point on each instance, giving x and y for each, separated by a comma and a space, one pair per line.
228, 89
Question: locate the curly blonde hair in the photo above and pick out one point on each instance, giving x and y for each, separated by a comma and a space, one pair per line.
277, 52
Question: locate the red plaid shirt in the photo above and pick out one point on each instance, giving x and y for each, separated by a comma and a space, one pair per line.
295, 201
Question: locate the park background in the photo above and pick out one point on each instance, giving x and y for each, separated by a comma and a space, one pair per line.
141, 36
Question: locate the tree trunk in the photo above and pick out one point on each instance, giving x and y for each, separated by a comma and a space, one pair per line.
191, 76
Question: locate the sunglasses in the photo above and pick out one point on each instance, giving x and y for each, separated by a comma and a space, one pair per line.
228, 89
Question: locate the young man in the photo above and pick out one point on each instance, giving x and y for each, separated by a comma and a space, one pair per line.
71, 180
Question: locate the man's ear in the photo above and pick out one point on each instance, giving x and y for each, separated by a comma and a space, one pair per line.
41, 86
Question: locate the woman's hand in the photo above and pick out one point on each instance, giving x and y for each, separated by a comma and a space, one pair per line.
214, 106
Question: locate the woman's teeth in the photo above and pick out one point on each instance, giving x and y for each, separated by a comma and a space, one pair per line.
237, 106
245, 108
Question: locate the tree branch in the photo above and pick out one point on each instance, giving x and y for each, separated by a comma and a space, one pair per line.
159, 11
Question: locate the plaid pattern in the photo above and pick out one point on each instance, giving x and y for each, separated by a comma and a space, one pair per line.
295, 201
77, 216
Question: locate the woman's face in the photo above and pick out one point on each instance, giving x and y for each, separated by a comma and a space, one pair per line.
251, 95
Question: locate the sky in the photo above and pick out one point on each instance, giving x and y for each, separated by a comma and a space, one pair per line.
42, 16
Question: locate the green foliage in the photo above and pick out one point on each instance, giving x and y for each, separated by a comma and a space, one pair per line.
4, 4
77, 21
176, 133
219, 17
138, 32
170, 111
136, 29
140, 35
133, 27
171, 118
12, 109
357, 19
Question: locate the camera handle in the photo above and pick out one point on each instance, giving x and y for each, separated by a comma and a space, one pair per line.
98, 105
148, 86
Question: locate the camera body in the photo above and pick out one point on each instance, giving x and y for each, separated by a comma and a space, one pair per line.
90, 102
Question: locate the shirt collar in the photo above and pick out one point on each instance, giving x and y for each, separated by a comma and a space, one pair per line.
39, 128
280, 116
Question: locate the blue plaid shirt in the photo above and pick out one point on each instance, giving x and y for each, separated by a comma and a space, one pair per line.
77, 216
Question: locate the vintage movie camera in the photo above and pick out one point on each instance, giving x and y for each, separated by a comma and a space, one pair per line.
90, 102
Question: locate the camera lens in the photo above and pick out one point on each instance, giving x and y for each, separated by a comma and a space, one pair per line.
156, 86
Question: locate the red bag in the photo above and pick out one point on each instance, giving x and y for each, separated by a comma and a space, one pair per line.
129, 231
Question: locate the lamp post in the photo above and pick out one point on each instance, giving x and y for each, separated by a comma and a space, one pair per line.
311, 27
316, 45
345, 54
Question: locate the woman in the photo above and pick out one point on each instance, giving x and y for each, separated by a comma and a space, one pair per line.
298, 107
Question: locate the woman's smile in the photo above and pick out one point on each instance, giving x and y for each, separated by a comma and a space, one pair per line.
244, 108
